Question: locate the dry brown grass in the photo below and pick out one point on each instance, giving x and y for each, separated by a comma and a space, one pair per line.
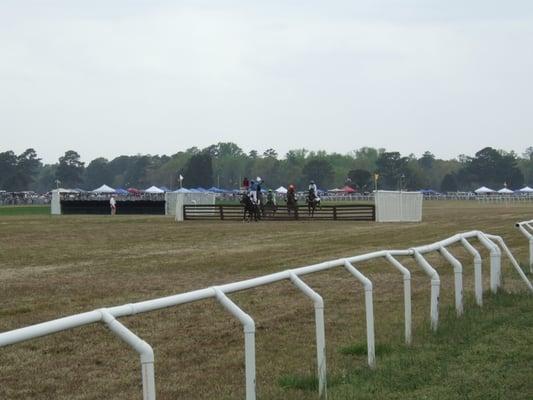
52, 267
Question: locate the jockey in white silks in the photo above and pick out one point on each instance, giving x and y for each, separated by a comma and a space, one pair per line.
312, 186
252, 192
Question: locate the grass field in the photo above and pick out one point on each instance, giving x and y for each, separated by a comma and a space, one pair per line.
56, 266
24, 210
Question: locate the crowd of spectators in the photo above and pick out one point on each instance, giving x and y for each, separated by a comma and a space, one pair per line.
23, 198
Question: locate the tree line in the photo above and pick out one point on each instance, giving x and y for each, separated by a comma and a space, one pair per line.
225, 165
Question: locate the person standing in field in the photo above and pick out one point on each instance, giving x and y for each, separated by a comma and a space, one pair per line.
113, 204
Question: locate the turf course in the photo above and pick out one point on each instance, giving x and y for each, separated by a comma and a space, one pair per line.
24, 210
56, 266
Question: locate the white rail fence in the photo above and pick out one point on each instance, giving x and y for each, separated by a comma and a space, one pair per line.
526, 227
108, 316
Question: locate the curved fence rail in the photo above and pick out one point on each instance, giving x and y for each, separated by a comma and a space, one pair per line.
108, 316
526, 227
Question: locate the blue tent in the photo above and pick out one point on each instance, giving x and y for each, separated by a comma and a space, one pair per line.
165, 189
429, 191
182, 190
121, 191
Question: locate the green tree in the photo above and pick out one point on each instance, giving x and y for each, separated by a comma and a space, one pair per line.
449, 183
360, 178
320, 170
70, 170
8, 170
46, 178
97, 173
271, 153
392, 167
491, 167
198, 171
426, 161
26, 170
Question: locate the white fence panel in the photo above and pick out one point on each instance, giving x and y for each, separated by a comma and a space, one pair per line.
392, 206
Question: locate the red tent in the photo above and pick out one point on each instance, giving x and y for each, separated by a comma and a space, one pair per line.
347, 189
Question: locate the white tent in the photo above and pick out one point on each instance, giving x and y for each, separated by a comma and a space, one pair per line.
505, 191
182, 190
104, 189
281, 190
154, 189
62, 190
483, 190
526, 189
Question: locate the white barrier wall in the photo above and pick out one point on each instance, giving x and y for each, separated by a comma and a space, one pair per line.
55, 205
393, 206
174, 202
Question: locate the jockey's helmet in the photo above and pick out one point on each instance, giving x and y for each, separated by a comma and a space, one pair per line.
312, 182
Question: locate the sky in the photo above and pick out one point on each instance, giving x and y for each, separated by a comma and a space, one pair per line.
107, 78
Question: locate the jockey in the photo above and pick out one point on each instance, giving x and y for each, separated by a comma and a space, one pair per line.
271, 199
259, 194
291, 191
312, 185
252, 192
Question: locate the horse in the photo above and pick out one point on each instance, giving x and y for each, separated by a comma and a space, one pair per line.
269, 209
312, 201
250, 209
292, 203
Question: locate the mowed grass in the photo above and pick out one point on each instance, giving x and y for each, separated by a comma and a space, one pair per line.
24, 210
55, 266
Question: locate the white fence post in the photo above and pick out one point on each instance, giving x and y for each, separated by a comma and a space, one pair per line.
406, 296
495, 262
512, 259
478, 277
249, 340
139, 345
320, 332
458, 279
369, 311
526, 227
435, 288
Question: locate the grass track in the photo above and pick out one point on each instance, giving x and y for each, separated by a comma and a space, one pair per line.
24, 210
50, 267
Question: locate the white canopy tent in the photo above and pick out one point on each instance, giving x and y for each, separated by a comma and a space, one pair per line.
62, 190
104, 189
182, 190
505, 191
154, 189
526, 189
483, 190
281, 190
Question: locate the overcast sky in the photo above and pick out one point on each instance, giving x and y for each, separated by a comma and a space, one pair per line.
115, 77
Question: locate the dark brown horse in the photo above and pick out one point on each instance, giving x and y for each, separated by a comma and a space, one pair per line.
251, 210
292, 202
